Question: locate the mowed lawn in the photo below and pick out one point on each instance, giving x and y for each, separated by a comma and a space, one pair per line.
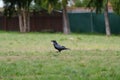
31, 56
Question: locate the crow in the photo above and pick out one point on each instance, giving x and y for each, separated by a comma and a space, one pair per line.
58, 47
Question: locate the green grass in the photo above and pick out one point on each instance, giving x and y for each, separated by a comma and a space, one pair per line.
31, 56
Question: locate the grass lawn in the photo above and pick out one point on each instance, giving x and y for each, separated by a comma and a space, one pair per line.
31, 56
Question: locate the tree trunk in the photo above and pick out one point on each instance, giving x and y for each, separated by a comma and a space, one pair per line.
66, 28
28, 22
24, 21
20, 17
20, 23
107, 24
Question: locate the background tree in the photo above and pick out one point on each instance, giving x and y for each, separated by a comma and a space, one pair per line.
107, 22
55, 4
116, 6
99, 6
51, 5
81, 3
66, 27
22, 8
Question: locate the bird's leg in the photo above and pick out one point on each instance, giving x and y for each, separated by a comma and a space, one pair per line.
59, 51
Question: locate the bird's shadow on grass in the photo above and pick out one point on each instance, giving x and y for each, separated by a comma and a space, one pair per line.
55, 53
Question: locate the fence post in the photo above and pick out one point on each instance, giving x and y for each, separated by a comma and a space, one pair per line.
91, 21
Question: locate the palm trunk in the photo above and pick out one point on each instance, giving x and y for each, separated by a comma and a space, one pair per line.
66, 28
107, 24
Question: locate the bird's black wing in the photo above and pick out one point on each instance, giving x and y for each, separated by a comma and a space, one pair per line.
59, 46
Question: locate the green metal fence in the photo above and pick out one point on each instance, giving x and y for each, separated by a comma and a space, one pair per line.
91, 22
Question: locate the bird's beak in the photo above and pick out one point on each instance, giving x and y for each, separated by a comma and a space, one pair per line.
51, 42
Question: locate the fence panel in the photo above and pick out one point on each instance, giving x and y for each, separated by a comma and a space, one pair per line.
87, 22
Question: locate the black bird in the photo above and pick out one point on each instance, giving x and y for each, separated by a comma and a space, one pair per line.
58, 47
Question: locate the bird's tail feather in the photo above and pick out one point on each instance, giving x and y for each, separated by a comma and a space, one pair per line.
67, 48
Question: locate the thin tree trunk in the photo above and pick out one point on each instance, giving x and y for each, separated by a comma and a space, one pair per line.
66, 28
21, 27
24, 21
27, 21
20, 23
107, 24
